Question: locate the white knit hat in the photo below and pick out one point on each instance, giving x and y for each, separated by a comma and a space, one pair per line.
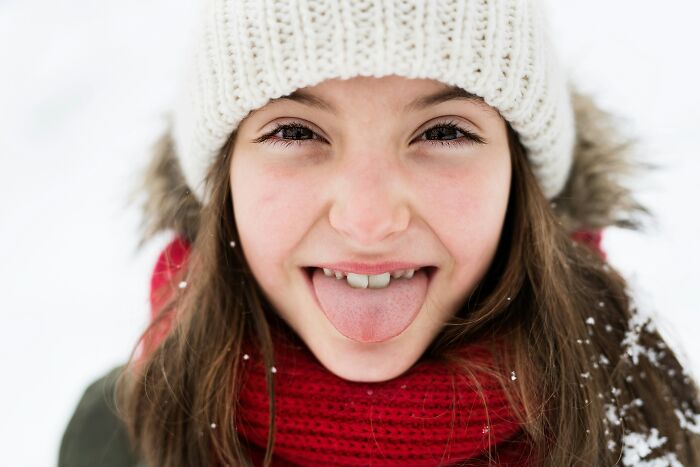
250, 51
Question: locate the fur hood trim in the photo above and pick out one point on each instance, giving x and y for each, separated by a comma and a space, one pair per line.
593, 198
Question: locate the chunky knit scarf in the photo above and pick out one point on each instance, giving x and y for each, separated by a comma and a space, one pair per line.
430, 415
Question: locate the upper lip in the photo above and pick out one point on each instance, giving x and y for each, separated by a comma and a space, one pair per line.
366, 268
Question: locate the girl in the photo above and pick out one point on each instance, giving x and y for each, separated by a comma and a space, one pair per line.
387, 220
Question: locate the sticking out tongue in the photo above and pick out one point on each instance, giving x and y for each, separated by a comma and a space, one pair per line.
370, 315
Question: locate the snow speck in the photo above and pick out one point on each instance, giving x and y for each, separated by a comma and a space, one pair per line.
513, 376
403, 386
273, 369
586, 375
508, 298
182, 284
590, 320
689, 421
233, 244
370, 392
213, 425
611, 414
637, 446
485, 429
604, 360
667, 460
637, 324
246, 356
608, 328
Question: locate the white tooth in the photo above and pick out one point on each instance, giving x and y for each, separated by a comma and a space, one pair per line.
338, 275
409, 273
397, 274
379, 281
358, 281
327, 272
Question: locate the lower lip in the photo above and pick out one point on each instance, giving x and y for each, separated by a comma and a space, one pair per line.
307, 272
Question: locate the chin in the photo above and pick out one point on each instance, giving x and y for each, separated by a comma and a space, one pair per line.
366, 363
362, 374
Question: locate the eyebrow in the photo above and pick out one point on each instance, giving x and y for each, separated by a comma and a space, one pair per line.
304, 97
444, 95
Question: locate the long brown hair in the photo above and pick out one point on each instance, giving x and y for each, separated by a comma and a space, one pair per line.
590, 369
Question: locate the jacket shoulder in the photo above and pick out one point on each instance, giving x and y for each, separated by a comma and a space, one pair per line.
95, 435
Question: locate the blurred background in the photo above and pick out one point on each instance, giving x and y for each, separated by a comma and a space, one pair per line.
84, 88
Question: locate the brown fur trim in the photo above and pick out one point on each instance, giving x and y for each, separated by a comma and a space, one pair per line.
168, 203
594, 196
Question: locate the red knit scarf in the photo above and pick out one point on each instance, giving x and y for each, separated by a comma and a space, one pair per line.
430, 415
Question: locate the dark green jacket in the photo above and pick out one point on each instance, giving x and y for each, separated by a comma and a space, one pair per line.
95, 436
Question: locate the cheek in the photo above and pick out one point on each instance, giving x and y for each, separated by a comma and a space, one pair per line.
469, 209
268, 207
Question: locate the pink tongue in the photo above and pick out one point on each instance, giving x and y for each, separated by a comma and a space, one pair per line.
370, 315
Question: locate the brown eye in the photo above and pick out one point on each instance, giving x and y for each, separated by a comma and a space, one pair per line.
296, 132
289, 134
440, 132
447, 133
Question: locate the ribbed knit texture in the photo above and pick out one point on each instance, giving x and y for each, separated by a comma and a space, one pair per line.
250, 51
325, 420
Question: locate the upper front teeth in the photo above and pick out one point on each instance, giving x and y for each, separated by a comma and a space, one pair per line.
373, 281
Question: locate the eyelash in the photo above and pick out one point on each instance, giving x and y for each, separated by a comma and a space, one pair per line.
471, 138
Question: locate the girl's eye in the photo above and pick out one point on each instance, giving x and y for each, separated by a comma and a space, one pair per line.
296, 133
449, 130
291, 134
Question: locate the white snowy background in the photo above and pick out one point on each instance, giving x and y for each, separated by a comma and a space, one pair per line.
83, 88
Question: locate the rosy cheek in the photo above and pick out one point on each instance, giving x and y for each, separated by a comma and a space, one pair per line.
469, 208
456, 206
269, 212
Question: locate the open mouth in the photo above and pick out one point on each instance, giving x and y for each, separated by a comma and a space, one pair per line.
397, 274
370, 314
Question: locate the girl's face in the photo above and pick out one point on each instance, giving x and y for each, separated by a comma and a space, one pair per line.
367, 172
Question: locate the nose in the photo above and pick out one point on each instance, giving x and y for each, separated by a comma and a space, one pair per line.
370, 203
